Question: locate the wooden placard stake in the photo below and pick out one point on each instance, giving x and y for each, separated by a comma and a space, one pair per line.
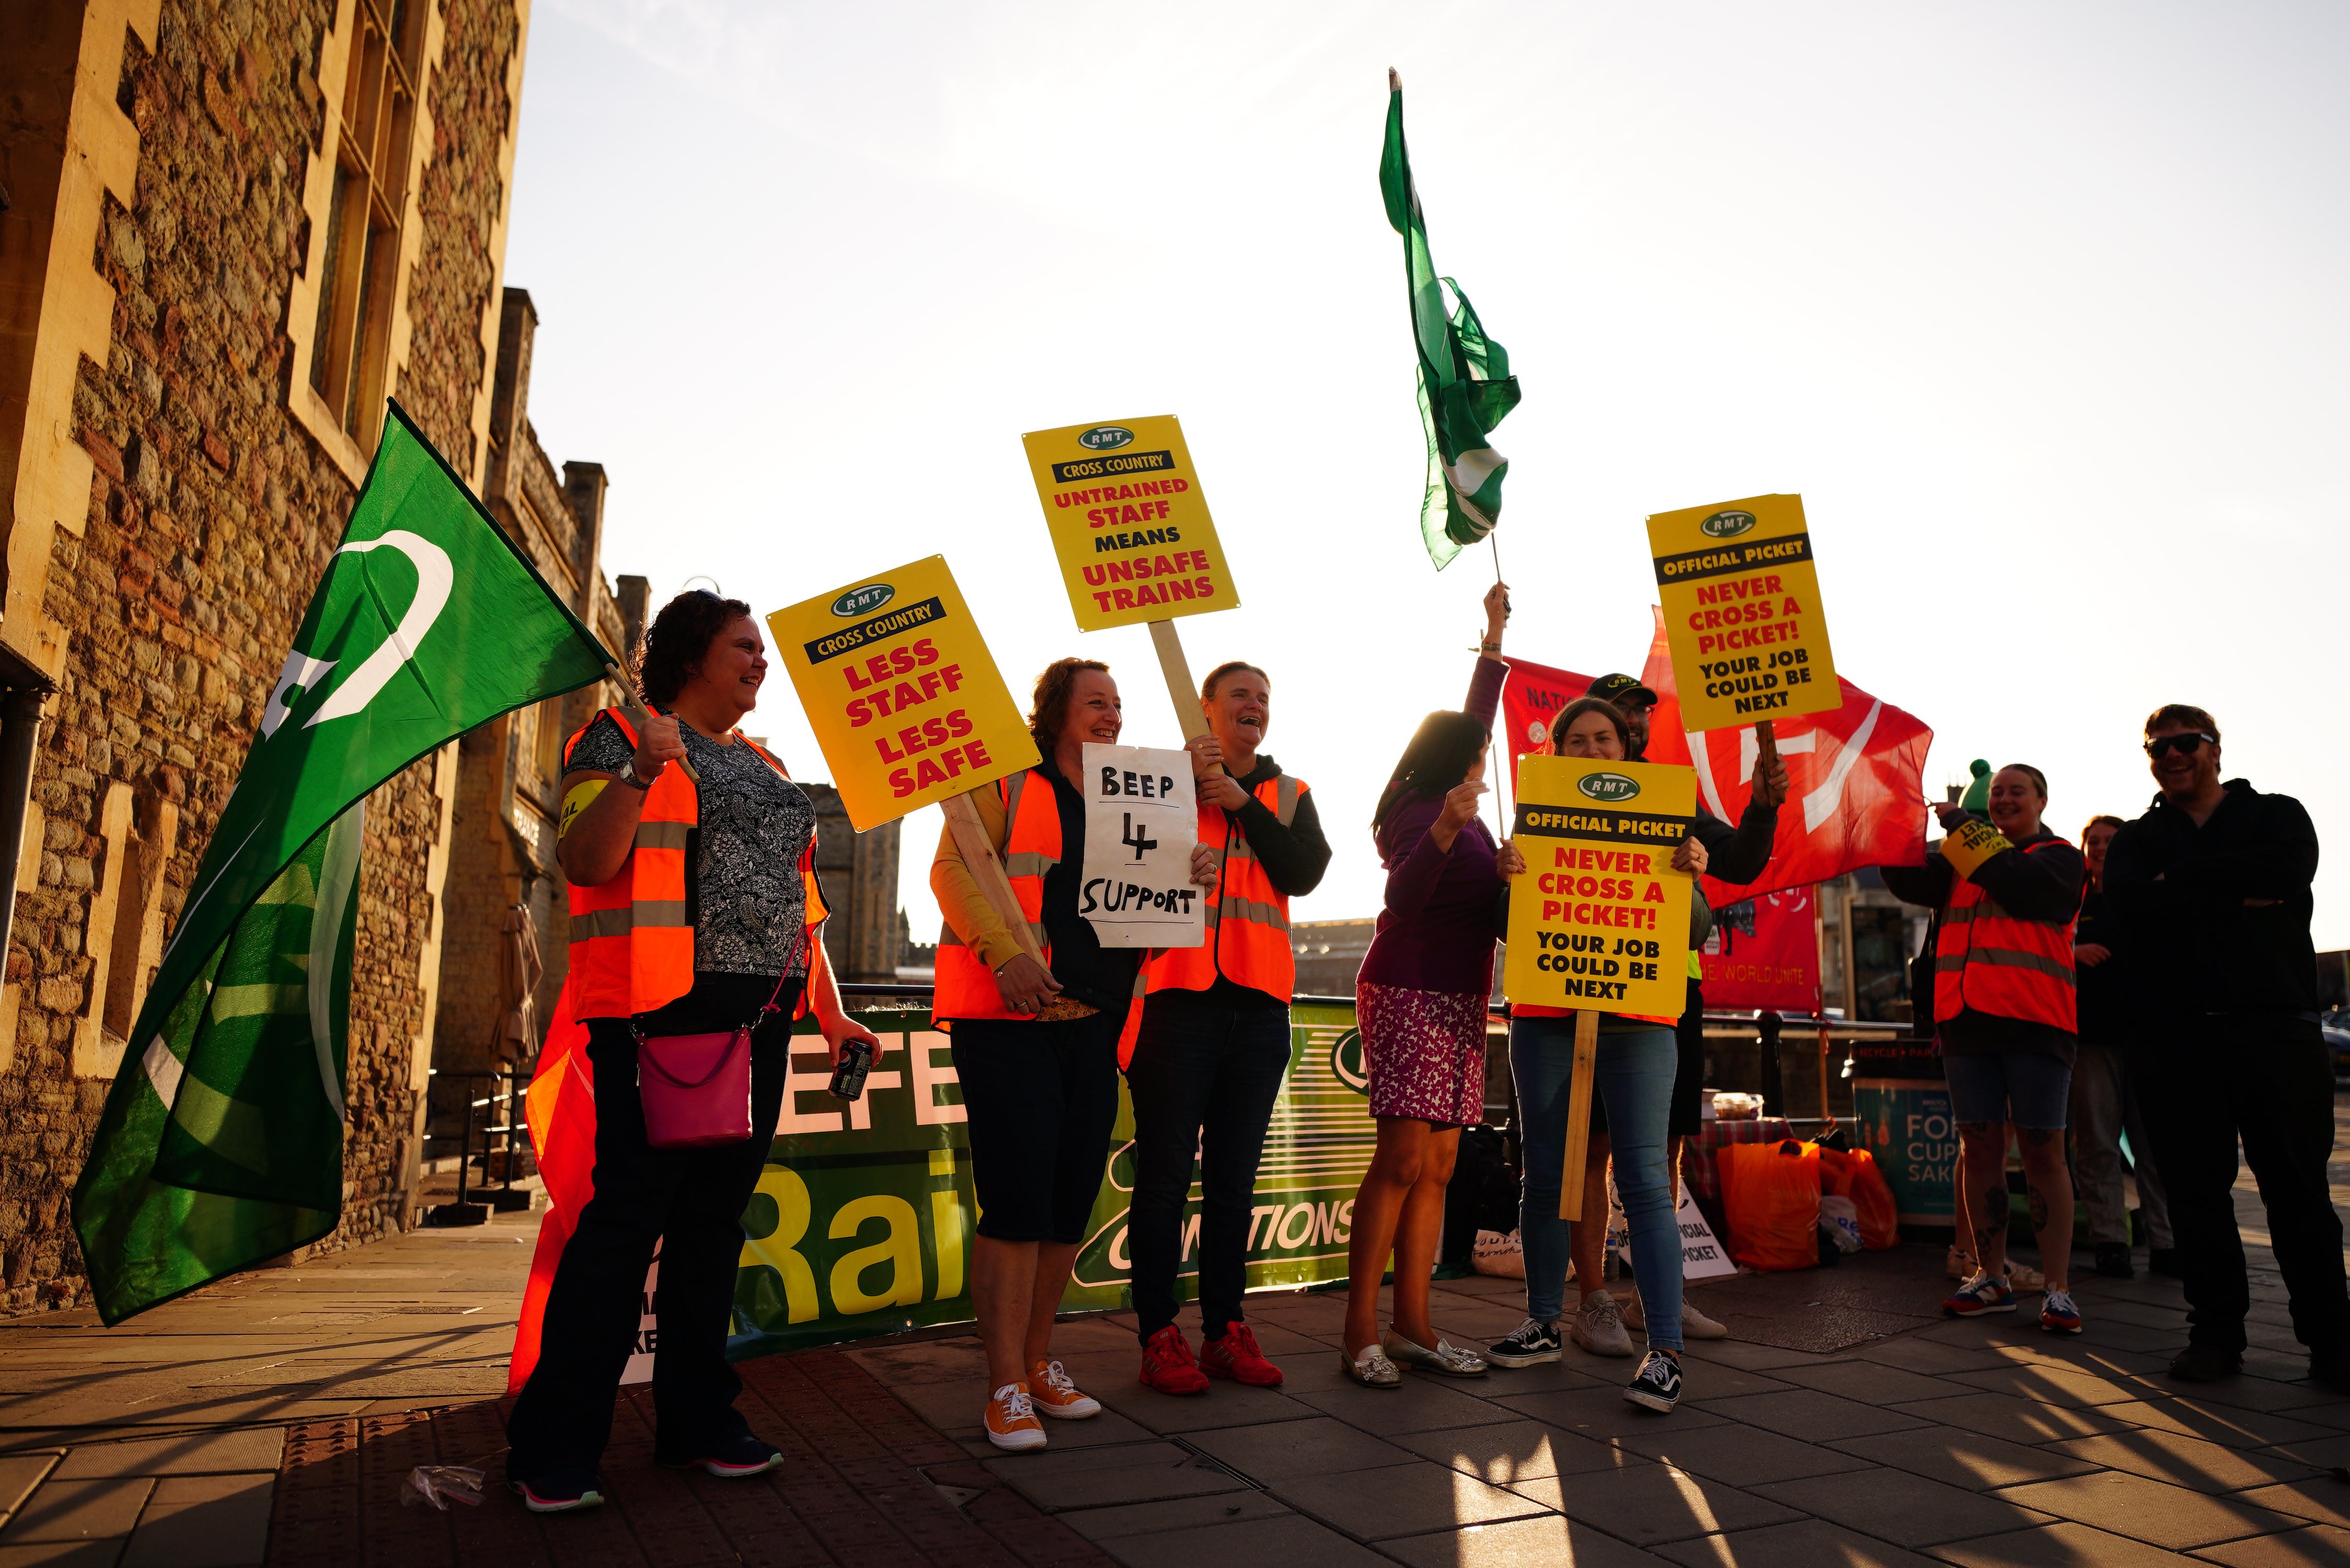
1181, 690
1826, 1114
1579, 1114
1766, 751
639, 717
986, 868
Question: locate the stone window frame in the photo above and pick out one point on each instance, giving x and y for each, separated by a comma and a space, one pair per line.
378, 365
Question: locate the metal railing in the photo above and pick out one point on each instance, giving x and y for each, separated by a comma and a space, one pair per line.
505, 1199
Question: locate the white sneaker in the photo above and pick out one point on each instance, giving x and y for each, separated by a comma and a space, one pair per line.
1695, 1324
1598, 1325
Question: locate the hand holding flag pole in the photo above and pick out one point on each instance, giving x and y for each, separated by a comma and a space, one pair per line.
637, 715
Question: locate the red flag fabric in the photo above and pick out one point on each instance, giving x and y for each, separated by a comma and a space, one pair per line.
1531, 698
1857, 777
560, 1109
1764, 954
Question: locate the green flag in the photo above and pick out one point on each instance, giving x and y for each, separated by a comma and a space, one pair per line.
220, 1145
1465, 385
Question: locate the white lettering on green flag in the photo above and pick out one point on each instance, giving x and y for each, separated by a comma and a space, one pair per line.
221, 1141
1465, 385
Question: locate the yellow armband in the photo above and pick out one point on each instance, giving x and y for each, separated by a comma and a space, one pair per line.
578, 799
1972, 843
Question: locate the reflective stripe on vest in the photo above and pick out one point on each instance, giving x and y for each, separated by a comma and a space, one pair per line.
1247, 938
1999, 964
965, 987
632, 937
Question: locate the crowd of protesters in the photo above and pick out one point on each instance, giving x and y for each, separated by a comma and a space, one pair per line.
2155, 982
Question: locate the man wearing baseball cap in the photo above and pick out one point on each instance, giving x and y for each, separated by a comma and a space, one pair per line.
1736, 856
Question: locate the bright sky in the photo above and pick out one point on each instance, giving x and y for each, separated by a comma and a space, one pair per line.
2041, 309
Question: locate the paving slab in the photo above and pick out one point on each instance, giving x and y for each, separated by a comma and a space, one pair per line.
1420, 1404
1808, 1415
1957, 1457
1512, 1451
1287, 1539
243, 1449
1545, 1540
1174, 1513
2059, 1546
1093, 1478
2049, 1385
1872, 1382
2325, 1499
1805, 1544
1740, 1455
2017, 1420
78, 1511
203, 1521
1934, 1358
1649, 1504
1408, 1499
1908, 1510
2320, 1545
19, 1474
1291, 1449
1751, 1354
2181, 1460
2149, 1510
1599, 1413
2199, 1417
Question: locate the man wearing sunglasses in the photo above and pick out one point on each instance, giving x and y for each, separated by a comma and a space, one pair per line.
2213, 886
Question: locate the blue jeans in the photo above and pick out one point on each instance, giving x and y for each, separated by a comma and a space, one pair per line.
1635, 1081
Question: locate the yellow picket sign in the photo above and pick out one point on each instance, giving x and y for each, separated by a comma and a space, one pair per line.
1128, 524
1971, 843
1600, 919
904, 698
1741, 607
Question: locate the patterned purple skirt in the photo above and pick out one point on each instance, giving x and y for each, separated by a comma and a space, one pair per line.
1425, 1052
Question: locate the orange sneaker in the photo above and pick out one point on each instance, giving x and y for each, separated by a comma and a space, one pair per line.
1050, 1390
1236, 1356
1167, 1366
1011, 1419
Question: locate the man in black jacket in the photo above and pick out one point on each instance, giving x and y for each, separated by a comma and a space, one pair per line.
2212, 885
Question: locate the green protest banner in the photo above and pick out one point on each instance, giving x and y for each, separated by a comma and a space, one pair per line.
863, 1218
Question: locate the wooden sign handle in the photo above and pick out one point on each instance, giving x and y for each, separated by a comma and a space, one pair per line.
1766, 751
986, 868
1826, 1114
1578, 1115
1180, 690
639, 717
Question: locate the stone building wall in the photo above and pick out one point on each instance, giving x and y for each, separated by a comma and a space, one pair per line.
159, 602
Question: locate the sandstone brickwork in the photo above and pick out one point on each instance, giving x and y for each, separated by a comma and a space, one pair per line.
211, 515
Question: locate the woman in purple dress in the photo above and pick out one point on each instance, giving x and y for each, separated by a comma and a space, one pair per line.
1420, 1001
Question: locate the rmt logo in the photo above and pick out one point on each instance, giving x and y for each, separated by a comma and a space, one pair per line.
1608, 787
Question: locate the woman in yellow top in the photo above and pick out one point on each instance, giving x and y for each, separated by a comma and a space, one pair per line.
1035, 1047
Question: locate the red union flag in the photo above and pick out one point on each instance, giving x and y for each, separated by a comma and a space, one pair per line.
1530, 699
1764, 954
1856, 777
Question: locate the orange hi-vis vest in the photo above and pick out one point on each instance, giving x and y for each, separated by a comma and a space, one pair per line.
1991, 962
965, 987
1247, 939
632, 937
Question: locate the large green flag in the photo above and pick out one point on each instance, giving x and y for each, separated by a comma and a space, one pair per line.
1465, 385
221, 1141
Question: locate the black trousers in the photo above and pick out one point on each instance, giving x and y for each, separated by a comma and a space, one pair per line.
691, 1202
1040, 1102
2204, 1083
1203, 1081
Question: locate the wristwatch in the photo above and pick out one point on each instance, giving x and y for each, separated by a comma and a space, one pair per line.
627, 775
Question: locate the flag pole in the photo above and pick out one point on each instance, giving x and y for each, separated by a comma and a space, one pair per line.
1500, 814
637, 715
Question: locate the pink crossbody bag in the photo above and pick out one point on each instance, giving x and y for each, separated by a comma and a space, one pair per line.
696, 1088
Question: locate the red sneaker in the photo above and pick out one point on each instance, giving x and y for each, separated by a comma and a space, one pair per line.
1236, 1356
1167, 1366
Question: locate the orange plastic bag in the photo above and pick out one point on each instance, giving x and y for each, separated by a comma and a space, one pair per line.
1854, 1174
1771, 1199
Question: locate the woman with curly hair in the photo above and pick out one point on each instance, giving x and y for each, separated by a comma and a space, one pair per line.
1035, 1048
694, 911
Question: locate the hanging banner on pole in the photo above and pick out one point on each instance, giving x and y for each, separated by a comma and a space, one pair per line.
1742, 611
905, 700
1600, 919
1141, 821
1128, 524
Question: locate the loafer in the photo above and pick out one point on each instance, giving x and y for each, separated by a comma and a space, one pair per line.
2204, 1364
1372, 1369
1445, 1361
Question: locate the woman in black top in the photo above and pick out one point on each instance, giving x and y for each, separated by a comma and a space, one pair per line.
699, 667
2102, 1109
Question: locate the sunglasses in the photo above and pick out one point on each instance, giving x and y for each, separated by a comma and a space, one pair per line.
2185, 745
